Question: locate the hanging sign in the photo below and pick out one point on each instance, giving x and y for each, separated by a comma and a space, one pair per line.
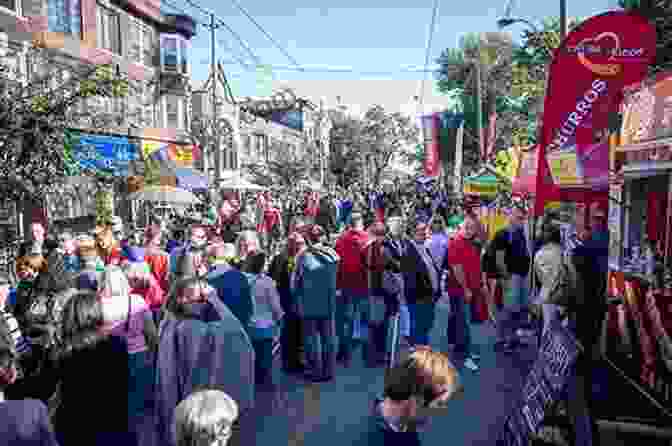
544, 385
104, 155
589, 70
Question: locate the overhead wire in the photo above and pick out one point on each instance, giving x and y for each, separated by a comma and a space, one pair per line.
432, 25
281, 48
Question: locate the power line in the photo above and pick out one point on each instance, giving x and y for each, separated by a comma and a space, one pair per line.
337, 69
435, 11
282, 49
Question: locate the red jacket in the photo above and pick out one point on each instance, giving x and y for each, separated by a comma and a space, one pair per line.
351, 272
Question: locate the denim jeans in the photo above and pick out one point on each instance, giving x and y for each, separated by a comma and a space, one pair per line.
320, 341
459, 327
349, 308
515, 313
422, 321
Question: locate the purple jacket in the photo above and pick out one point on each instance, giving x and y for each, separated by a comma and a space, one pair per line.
209, 349
26, 423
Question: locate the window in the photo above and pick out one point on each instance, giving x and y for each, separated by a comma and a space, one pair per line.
175, 112
65, 16
11, 5
141, 105
174, 53
109, 33
260, 146
141, 43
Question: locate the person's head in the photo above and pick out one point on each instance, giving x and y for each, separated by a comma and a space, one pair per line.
421, 232
255, 262
247, 243
295, 244
138, 275
518, 216
28, 267
395, 226
378, 230
37, 232
153, 235
315, 234
82, 321
67, 243
550, 233
598, 220
357, 221
425, 379
470, 227
198, 236
191, 290
205, 418
438, 225
113, 284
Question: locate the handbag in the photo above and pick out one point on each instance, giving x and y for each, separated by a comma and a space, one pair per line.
260, 328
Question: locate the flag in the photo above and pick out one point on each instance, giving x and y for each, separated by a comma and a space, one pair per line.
452, 130
430, 138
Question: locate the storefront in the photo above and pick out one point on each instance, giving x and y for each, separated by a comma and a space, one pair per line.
638, 340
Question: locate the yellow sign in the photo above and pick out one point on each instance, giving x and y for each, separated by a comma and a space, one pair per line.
564, 166
480, 189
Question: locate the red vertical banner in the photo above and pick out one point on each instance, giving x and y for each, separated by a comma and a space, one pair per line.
431, 141
587, 75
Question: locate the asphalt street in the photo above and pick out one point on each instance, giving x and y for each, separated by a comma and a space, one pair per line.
334, 413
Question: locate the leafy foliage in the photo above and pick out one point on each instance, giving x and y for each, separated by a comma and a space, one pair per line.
659, 12
283, 171
35, 115
375, 141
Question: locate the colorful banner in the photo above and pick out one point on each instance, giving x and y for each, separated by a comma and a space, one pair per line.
452, 124
104, 155
525, 179
595, 62
430, 125
647, 111
564, 166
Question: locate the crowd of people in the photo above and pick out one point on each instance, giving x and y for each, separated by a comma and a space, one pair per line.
155, 324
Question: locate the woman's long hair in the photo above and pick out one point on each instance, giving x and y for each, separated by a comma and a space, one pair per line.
82, 320
177, 304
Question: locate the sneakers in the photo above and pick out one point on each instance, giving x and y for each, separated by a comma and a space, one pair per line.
470, 364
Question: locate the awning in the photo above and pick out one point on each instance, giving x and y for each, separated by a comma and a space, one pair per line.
187, 178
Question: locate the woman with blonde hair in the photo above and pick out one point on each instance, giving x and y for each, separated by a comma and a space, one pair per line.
128, 316
205, 418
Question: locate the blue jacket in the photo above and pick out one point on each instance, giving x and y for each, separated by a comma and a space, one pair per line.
233, 289
314, 283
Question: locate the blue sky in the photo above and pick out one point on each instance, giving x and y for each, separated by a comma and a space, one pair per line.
366, 35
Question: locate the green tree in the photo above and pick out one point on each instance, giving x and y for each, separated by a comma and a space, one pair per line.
283, 170
35, 116
492, 52
659, 12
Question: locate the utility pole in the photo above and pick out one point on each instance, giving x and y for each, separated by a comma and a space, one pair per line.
563, 19
213, 97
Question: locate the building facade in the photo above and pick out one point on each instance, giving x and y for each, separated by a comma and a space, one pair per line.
144, 45
245, 141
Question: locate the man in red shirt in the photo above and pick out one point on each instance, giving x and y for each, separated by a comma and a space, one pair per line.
464, 259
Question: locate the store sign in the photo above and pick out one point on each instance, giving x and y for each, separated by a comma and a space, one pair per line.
647, 111
104, 155
430, 125
614, 220
595, 62
544, 385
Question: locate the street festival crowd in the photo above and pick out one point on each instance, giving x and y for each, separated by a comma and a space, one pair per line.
103, 329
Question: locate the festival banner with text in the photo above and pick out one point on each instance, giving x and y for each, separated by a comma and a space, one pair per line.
595, 62
430, 135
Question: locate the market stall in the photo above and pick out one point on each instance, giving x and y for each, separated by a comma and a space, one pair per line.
639, 325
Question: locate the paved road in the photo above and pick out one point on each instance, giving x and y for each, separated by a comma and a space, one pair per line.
335, 413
